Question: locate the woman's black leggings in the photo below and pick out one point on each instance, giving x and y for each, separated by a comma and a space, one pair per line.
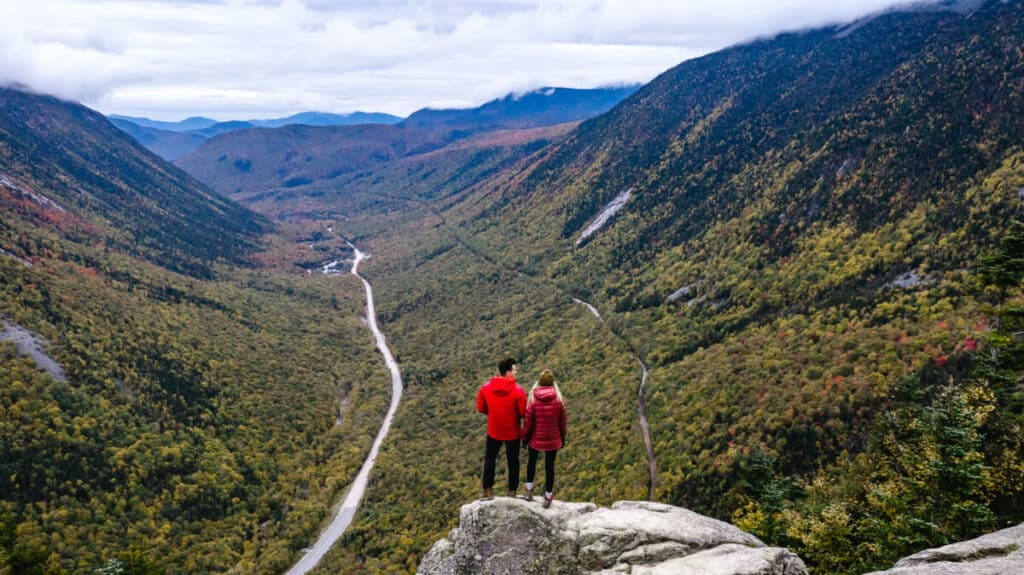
549, 468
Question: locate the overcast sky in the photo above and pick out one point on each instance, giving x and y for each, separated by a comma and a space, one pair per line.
241, 59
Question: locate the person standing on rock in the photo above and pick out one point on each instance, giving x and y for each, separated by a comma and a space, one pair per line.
544, 432
504, 402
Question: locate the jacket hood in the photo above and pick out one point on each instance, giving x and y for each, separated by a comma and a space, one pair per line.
544, 393
502, 385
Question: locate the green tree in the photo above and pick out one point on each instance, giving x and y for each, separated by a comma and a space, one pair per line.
1004, 269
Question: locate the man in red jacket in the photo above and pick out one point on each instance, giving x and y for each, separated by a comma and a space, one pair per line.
504, 402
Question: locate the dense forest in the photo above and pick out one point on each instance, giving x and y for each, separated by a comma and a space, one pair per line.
208, 419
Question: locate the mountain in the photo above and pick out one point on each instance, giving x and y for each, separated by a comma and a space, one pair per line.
171, 145
540, 107
96, 175
266, 158
813, 284
198, 123
189, 399
432, 175
222, 128
781, 285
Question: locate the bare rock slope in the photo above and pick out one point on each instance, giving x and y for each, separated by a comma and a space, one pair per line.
999, 553
508, 535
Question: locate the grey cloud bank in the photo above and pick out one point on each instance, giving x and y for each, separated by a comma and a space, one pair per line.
236, 58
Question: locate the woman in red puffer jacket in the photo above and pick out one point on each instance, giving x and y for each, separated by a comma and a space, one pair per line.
544, 431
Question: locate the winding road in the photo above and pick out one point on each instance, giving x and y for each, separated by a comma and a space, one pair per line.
343, 519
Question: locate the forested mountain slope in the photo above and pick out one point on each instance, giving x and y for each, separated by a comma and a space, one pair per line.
266, 158
807, 128
432, 175
818, 260
141, 205
212, 406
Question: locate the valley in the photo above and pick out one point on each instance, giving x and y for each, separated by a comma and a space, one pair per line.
780, 284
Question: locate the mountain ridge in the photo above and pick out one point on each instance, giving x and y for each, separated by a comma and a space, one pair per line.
539, 107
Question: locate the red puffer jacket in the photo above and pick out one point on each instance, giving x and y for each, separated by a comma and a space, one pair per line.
504, 402
545, 420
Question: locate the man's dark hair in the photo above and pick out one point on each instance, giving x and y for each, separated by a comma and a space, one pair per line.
505, 365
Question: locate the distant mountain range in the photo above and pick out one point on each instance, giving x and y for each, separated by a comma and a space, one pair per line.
171, 140
198, 123
164, 143
186, 125
245, 162
290, 156
541, 107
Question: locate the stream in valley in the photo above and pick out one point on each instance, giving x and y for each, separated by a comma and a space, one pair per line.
652, 466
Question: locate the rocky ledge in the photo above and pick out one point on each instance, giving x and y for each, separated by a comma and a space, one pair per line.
512, 536
999, 553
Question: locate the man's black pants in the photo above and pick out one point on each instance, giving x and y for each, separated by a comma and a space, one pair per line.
511, 455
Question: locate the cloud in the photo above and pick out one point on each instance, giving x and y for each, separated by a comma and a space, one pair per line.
240, 59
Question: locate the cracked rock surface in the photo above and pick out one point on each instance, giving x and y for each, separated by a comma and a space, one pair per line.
511, 536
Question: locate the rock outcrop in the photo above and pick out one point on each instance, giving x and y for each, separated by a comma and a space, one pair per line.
34, 346
512, 536
999, 553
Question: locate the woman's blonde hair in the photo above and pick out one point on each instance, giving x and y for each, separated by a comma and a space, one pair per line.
546, 379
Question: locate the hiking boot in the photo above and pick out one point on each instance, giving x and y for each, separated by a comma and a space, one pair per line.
512, 493
529, 495
488, 494
548, 500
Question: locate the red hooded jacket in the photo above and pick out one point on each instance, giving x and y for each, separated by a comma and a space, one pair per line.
545, 419
504, 402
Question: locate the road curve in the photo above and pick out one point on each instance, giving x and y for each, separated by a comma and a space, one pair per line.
652, 466
355, 492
